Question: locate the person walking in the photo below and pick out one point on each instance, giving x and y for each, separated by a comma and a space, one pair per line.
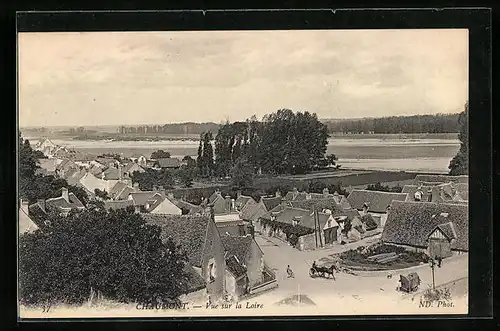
289, 272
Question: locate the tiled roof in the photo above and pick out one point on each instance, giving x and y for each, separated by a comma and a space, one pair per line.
241, 201
234, 266
216, 195
349, 213
111, 174
195, 281
237, 245
307, 220
60, 202
377, 201
193, 209
448, 229
441, 178
271, 202
316, 204
277, 209
187, 231
252, 211
410, 223
132, 167
117, 189
118, 204
141, 198
170, 162
125, 193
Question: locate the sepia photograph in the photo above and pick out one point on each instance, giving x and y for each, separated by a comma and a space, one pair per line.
243, 173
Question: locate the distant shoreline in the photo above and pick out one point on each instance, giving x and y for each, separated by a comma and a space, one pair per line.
195, 137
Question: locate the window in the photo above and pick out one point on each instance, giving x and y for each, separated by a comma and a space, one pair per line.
212, 269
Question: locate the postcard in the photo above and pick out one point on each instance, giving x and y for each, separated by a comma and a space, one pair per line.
243, 173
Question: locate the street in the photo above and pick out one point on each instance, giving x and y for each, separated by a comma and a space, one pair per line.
364, 287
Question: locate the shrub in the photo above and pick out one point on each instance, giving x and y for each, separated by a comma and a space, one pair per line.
437, 294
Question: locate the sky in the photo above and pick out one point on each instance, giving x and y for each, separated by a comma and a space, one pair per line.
114, 78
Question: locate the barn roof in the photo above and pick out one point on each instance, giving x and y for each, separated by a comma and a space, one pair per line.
185, 230
377, 201
410, 223
271, 202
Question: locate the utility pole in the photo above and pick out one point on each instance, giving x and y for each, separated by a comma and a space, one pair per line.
433, 264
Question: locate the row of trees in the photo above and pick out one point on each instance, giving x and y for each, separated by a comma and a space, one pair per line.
440, 123
384, 188
173, 128
282, 143
459, 165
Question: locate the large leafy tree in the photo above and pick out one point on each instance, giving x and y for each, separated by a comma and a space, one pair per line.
151, 177
115, 253
242, 173
459, 165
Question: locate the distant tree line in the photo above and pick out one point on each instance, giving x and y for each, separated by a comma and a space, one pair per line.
174, 128
459, 165
440, 123
384, 188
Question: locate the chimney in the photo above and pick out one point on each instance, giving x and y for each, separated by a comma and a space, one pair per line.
295, 191
41, 203
308, 196
365, 208
155, 189
238, 194
228, 203
65, 194
120, 176
278, 194
162, 192
170, 195
136, 186
232, 205
429, 194
326, 193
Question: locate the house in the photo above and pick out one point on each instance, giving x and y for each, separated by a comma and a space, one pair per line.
48, 166
90, 183
139, 159
46, 146
64, 204
122, 189
130, 168
199, 238
447, 192
246, 269
188, 208
220, 204
374, 202
164, 205
108, 161
118, 204
26, 224
441, 239
302, 228
168, 163
440, 179
414, 224
66, 166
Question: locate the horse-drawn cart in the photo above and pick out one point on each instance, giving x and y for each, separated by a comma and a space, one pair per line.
324, 271
409, 283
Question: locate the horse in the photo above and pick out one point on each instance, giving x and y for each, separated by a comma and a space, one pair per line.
322, 271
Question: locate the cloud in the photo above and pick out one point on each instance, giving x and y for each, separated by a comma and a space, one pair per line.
158, 77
